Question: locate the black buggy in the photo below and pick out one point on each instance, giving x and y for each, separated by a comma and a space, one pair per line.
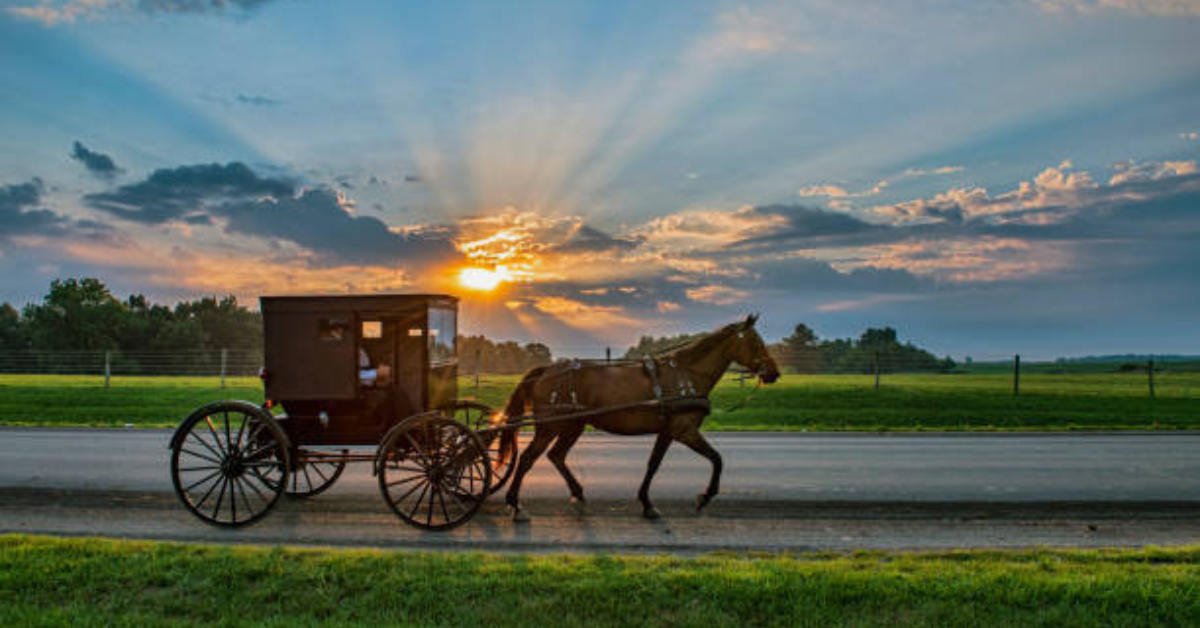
348, 379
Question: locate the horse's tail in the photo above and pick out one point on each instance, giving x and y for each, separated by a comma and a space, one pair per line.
522, 396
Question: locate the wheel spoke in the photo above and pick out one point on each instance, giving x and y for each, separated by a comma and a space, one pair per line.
185, 469
208, 493
405, 480
420, 500
255, 489
237, 483
200, 455
216, 437
220, 497
205, 443
442, 501
201, 481
418, 450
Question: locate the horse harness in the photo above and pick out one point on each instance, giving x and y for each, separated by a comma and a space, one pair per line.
672, 387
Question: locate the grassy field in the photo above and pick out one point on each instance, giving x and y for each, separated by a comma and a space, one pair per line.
796, 402
90, 582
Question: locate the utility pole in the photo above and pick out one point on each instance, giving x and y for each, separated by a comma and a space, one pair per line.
1150, 373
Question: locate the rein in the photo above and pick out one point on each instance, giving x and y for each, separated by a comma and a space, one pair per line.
745, 398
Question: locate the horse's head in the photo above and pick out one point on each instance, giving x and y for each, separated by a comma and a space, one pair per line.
750, 351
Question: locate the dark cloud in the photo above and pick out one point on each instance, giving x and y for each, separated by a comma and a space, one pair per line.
585, 239
320, 220
256, 101
20, 214
245, 203
198, 6
170, 193
98, 164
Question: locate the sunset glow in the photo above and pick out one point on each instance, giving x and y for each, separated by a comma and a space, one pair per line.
480, 278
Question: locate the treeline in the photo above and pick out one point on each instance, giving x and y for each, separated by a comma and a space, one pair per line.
477, 353
80, 319
804, 352
81, 316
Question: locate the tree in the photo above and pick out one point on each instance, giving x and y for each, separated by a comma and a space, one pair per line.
800, 351
77, 315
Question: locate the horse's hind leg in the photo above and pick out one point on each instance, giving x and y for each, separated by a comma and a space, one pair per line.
696, 441
541, 440
656, 456
558, 455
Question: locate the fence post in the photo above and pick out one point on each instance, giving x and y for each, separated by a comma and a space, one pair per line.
608, 354
107, 367
478, 358
1017, 375
1150, 373
877, 370
224, 361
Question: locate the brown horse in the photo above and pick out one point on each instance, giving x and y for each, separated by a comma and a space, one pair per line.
687, 373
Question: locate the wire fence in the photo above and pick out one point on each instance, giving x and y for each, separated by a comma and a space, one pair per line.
865, 368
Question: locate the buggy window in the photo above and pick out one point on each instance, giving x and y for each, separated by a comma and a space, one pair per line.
372, 329
442, 331
332, 329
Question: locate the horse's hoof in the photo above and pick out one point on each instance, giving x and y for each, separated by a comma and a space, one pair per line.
519, 516
578, 504
702, 500
651, 513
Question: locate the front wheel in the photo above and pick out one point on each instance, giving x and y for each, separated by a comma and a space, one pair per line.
229, 463
433, 471
501, 444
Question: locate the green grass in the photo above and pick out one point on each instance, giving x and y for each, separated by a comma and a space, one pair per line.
90, 582
797, 402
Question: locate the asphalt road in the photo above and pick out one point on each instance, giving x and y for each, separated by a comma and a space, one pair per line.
780, 491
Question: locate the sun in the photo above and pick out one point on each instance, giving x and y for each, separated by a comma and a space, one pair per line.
480, 278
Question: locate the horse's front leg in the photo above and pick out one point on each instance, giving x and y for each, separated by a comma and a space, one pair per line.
656, 456
541, 440
696, 441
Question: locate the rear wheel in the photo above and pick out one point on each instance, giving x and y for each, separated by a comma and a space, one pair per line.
314, 472
229, 463
433, 471
501, 444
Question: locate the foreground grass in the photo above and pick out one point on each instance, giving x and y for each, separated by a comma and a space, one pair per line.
797, 402
89, 582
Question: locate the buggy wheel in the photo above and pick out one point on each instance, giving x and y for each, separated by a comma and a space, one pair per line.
501, 444
433, 471
313, 472
229, 463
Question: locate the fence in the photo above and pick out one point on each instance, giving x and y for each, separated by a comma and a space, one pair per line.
879, 368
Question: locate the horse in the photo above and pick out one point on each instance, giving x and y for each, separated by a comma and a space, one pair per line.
624, 386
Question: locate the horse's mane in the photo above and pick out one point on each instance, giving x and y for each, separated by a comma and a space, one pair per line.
703, 342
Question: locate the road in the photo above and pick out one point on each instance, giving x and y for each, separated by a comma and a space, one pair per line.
780, 491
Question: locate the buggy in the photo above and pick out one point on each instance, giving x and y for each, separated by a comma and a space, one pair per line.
347, 379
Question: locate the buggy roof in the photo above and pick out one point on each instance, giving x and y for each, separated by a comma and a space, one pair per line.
356, 303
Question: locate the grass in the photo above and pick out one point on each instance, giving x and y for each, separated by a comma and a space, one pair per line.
91, 582
978, 401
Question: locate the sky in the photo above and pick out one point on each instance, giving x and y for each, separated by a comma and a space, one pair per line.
989, 178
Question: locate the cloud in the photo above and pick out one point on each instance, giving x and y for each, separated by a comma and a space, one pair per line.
256, 101
242, 202
55, 12
21, 216
1057, 189
762, 30
169, 193
919, 172
322, 220
98, 164
1155, 8
717, 294
1132, 172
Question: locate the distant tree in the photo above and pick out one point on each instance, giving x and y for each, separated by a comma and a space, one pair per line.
799, 352
650, 344
77, 315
